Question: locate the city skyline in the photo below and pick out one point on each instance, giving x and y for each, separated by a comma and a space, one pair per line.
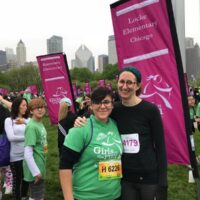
87, 26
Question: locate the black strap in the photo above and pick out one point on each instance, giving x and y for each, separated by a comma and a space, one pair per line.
194, 111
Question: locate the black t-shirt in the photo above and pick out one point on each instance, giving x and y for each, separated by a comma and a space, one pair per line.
63, 127
4, 113
149, 165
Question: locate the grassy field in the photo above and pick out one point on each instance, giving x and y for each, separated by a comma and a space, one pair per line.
179, 188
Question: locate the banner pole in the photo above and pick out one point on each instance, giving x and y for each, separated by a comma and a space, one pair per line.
70, 82
192, 155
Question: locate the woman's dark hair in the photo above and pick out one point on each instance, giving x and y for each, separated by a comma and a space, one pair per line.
100, 93
4, 114
15, 108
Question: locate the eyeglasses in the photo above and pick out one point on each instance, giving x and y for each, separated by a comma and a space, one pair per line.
39, 108
106, 103
128, 82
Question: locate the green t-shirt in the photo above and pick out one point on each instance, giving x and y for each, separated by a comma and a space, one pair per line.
106, 146
36, 136
198, 110
192, 113
27, 96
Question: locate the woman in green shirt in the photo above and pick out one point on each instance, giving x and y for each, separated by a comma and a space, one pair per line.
94, 153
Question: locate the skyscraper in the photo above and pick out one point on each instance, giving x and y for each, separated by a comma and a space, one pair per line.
84, 58
102, 61
189, 42
179, 15
2, 58
54, 44
10, 57
192, 59
21, 53
112, 54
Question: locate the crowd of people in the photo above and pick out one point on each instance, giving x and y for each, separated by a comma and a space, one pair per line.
115, 151
194, 111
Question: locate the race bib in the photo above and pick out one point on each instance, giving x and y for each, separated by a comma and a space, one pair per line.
131, 143
45, 148
111, 169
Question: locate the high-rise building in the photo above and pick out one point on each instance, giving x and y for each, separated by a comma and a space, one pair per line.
102, 61
84, 58
112, 54
10, 57
192, 60
54, 44
2, 58
73, 63
179, 16
189, 42
21, 53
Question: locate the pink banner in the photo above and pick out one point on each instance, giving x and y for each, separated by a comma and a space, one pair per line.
4, 91
88, 88
32, 89
144, 40
102, 83
56, 82
109, 86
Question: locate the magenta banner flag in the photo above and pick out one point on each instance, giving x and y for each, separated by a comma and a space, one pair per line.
4, 91
109, 86
56, 82
144, 40
102, 83
32, 89
87, 88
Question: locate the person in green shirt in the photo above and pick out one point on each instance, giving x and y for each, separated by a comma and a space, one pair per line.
35, 150
90, 165
194, 114
198, 110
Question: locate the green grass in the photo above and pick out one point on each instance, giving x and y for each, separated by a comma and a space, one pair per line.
179, 188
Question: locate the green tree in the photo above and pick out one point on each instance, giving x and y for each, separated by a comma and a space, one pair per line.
110, 71
97, 76
19, 78
81, 74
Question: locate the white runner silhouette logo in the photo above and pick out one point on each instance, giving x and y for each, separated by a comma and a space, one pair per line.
108, 140
158, 87
60, 91
58, 95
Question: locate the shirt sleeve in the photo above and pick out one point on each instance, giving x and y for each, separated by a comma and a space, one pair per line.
75, 139
71, 150
159, 142
30, 136
68, 158
28, 156
10, 131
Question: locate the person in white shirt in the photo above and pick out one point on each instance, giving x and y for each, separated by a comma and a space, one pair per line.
15, 129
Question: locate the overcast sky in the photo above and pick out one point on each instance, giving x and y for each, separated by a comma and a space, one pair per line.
78, 22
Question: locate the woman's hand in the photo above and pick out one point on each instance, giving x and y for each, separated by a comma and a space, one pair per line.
20, 121
80, 121
38, 178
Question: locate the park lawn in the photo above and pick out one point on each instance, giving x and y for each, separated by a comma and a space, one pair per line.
179, 188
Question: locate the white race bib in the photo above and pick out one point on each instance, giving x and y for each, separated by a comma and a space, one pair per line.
195, 125
131, 143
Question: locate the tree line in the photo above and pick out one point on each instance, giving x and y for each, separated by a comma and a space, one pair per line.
17, 79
